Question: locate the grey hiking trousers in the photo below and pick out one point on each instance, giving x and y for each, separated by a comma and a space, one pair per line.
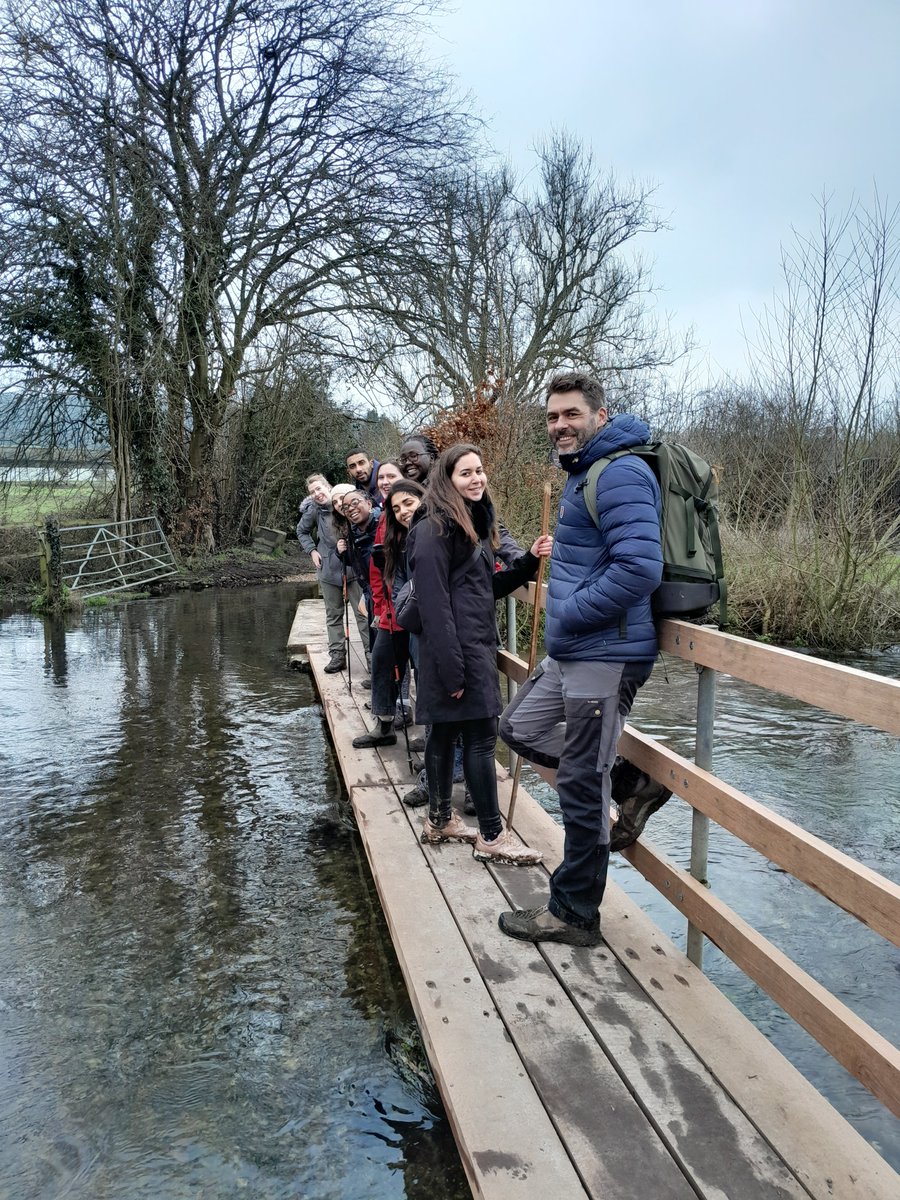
569, 716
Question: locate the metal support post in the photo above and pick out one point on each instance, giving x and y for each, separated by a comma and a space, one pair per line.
703, 757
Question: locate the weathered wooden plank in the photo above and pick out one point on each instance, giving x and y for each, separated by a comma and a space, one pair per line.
826, 1154
347, 719
308, 626
592, 1109
508, 1144
859, 890
860, 695
712, 1140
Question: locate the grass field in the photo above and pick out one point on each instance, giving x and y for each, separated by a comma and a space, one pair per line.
25, 504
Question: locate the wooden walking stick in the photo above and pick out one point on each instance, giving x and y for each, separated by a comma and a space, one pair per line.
532, 650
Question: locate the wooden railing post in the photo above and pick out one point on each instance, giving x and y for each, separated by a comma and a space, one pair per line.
703, 757
512, 646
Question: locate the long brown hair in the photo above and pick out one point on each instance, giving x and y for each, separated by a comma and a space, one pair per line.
394, 532
444, 501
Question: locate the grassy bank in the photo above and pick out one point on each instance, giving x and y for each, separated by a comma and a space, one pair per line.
808, 591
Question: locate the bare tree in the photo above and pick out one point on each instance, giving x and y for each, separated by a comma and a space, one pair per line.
177, 177
509, 283
811, 448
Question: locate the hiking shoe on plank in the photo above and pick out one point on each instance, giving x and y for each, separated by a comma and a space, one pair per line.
416, 796
506, 848
454, 830
540, 925
637, 797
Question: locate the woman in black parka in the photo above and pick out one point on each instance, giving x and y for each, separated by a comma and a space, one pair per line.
451, 560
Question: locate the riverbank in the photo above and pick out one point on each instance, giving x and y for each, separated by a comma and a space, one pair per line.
20, 581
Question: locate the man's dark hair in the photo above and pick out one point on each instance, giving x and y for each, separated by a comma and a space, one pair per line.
578, 381
357, 450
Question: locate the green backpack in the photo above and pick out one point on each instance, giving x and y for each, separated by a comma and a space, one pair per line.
693, 576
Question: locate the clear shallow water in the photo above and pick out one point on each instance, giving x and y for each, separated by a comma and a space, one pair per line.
840, 781
198, 995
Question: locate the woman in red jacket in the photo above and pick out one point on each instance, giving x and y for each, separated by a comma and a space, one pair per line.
390, 650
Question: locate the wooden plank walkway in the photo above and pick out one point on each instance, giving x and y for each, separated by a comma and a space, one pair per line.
613, 1072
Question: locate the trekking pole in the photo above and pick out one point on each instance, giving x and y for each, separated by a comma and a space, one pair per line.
399, 689
398, 682
346, 625
532, 650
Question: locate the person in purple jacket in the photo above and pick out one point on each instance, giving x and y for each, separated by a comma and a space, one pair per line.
601, 644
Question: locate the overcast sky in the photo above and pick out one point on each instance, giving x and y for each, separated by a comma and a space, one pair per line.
742, 113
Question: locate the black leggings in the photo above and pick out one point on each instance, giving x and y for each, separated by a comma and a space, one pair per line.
479, 751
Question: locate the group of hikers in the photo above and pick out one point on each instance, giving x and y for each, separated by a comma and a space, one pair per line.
414, 547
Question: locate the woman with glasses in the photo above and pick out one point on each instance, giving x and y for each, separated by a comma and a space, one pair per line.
416, 458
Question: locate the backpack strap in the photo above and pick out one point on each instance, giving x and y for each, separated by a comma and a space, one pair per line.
459, 573
589, 487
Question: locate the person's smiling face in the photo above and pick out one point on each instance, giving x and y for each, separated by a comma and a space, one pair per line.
388, 475
320, 491
571, 422
469, 478
357, 507
404, 505
415, 461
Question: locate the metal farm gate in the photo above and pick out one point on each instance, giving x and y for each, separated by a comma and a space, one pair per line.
107, 557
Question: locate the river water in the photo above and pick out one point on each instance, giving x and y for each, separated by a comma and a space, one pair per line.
198, 994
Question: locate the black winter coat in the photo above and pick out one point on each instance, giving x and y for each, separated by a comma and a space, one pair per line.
458, 643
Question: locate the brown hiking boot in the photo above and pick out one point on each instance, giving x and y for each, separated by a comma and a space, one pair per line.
506, 848
454, 830
540, 925
636, 797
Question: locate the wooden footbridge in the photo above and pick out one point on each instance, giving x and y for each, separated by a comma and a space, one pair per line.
621, 1072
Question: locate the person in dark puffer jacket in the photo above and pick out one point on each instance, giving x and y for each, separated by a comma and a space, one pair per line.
601, 645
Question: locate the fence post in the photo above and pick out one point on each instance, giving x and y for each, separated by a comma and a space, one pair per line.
703, 757
54, 563
513, 647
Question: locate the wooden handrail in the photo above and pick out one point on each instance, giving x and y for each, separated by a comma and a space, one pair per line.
857, 889
845, 691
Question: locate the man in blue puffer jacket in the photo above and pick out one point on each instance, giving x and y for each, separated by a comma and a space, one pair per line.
601, 645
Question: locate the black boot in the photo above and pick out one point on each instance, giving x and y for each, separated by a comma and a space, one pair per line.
338, 661
381, 734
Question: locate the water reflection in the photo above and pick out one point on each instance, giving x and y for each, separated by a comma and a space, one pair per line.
198, 989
